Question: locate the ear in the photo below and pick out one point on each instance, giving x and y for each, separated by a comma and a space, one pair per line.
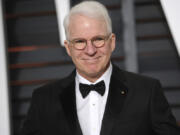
67, 46
113, 42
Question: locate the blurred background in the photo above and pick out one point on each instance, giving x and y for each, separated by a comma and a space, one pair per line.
36, 56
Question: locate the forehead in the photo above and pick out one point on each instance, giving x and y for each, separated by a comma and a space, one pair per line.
86, 27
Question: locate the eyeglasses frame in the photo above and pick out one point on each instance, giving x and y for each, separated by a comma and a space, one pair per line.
105, 39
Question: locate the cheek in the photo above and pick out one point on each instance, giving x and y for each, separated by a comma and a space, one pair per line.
76, 56
106, 50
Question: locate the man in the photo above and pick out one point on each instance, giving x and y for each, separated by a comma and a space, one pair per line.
98, 98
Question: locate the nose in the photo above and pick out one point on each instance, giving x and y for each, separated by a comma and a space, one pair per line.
90, 49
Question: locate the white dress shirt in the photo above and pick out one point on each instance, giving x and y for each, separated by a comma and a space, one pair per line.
90, 110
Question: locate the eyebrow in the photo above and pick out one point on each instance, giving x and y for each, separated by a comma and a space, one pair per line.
86, 39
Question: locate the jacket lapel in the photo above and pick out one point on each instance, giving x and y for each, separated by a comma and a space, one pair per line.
117, 94
68, 100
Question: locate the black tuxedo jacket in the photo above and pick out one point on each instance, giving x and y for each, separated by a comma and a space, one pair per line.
135, 106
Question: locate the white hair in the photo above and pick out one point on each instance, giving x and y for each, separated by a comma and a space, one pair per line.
92, 9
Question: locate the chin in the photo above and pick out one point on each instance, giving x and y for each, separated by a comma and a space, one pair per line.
95, 72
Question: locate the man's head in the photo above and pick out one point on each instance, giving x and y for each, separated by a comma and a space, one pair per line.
90, 40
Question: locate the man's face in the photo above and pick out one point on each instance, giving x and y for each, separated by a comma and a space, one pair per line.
91, 62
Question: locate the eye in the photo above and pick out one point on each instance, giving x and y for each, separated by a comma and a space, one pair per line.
98, 39
79, 41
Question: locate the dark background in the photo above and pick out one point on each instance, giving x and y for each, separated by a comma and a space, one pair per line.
36, 56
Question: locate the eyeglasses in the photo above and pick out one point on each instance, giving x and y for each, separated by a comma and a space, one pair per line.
97, 42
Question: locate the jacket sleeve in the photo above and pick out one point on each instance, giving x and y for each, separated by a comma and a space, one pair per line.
31, 123
162, 119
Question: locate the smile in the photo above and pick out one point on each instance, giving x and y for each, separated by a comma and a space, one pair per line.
91, 60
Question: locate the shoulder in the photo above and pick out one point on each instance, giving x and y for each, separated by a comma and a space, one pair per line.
54, 87
139, 77
134, 78
141, 87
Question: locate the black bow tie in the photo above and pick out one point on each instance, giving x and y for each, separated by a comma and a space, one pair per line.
85, 88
